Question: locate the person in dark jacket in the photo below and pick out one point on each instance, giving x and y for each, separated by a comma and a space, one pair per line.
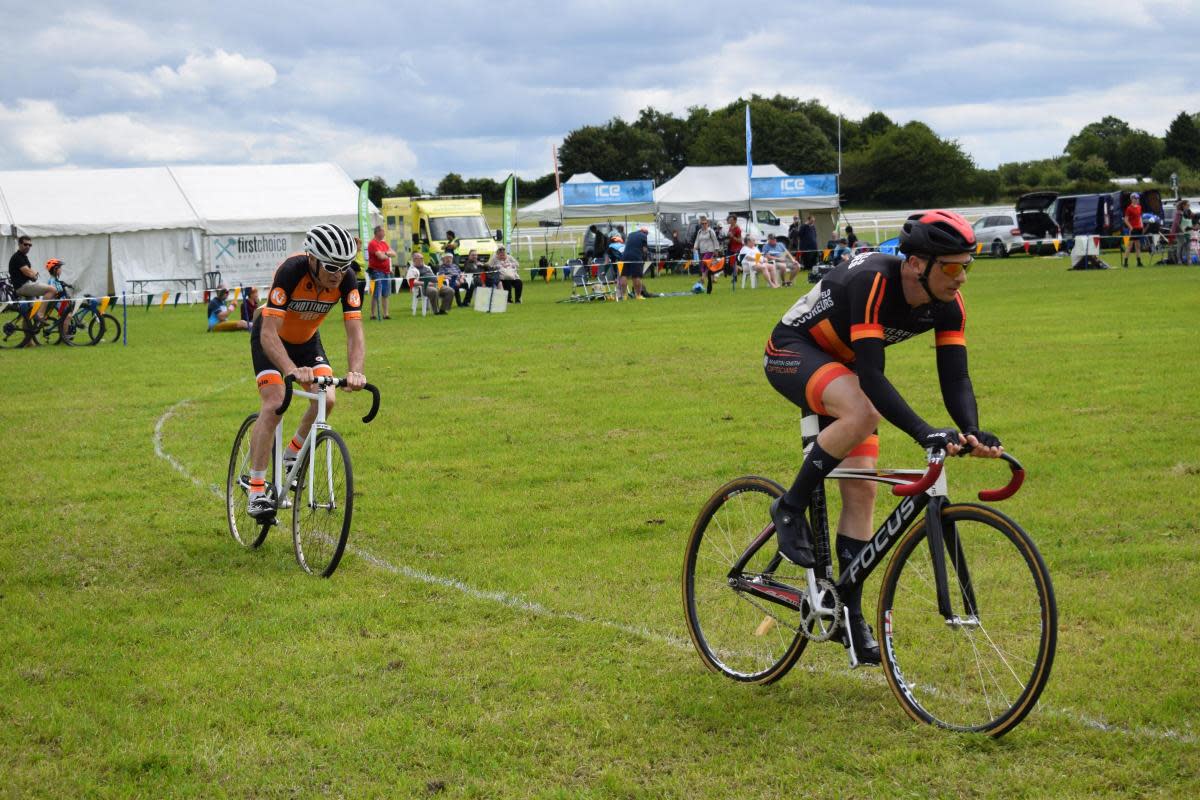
808, 243
637, 251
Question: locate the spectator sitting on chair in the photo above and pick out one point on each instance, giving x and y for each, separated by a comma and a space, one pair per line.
841, 252
25, 278
219, 309
453, 277
783, 262
509, 271
379, 267
473, 274
751, 258
423, 281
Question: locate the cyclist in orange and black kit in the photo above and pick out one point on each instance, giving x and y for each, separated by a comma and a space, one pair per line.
827, 356
286, 342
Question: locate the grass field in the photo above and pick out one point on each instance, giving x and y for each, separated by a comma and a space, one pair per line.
509, 623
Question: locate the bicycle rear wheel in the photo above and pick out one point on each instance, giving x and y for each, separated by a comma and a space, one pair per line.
984, 670
737, 633
245, 530
322, 505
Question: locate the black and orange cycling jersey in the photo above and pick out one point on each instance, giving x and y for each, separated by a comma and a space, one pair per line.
850, 316
302, 304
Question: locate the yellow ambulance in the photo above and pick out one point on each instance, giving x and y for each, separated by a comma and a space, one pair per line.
422, 224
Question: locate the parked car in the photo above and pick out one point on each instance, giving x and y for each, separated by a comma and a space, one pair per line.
1000, 234
1168, 215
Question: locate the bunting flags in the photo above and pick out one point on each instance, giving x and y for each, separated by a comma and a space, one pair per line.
370, 286
620, 267
162, 303
1026, 246
237, 292
1057, 244
825, 253
36, 307
978, 248
104, 303
441, 280
1125, 241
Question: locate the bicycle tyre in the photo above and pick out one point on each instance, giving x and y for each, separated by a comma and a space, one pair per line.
320, 526
743, 637
245, 530
985, 675
14, 328
108, 328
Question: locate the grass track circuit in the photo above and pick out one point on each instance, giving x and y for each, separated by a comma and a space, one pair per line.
507, 622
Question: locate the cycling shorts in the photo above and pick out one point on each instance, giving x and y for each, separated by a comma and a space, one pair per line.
305, 354
800, 371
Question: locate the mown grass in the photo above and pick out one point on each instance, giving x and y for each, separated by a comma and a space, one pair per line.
555, 456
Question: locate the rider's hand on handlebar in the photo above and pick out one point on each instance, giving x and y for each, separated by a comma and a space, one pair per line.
983, 444
303, 374
355, 381
947, 439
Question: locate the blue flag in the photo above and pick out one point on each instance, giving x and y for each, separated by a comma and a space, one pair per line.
749, 139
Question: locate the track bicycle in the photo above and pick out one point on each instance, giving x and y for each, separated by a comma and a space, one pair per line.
966, 615
320, 482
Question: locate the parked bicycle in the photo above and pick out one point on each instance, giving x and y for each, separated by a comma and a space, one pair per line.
966, 607
320, 481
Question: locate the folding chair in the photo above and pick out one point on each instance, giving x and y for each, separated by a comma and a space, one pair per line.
418, 296
747, 270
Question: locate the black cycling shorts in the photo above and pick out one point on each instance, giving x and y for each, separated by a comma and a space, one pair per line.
800, 371
306, 354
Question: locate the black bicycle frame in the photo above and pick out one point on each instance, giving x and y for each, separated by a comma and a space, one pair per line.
877, 547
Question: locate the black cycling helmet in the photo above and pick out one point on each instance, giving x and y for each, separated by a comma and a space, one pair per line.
937, 233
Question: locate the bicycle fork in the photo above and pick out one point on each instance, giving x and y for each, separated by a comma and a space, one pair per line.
942, 539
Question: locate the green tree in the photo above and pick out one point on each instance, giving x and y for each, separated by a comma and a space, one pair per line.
377, 190
614, 151
1094, 169
1137, 153
453, 183
911, 166
785, 138
405, 188
674, 134
1183, 140
1167, 167
1099, 138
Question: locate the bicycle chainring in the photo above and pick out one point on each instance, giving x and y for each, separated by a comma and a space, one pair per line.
816, 626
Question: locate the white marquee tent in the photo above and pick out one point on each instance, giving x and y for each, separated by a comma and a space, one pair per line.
723, 189
162, 228
547, 209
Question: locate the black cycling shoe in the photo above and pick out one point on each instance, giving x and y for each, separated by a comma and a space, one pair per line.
865, 646
793, 534
261, 507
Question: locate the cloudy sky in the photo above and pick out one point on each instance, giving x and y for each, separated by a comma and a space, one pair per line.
403, 89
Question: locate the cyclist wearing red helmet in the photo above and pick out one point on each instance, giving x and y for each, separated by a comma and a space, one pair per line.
827, 356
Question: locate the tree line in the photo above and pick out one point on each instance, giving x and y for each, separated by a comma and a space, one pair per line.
883, 162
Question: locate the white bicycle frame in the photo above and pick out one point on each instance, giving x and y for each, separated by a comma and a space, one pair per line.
319, 424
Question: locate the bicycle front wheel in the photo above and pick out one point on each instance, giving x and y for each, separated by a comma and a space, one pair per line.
104, 328
738, 632
14, 328
245, 530
322, 505
984, 669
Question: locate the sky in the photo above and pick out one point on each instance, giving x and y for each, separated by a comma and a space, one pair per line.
417, 90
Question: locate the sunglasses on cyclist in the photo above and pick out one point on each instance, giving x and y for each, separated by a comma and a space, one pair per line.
333, 269
951, 268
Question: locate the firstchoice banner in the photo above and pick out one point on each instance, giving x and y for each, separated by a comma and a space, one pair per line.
250, 258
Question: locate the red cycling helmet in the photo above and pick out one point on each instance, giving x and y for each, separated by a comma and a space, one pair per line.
937, 233
53, 264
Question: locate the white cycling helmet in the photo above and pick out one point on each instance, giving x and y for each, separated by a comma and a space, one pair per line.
331, 244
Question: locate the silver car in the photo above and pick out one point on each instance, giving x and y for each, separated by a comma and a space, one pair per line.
1000, 234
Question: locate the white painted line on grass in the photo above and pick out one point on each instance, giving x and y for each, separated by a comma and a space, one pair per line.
675, 642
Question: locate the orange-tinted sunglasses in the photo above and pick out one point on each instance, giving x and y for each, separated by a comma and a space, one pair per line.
951, 268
